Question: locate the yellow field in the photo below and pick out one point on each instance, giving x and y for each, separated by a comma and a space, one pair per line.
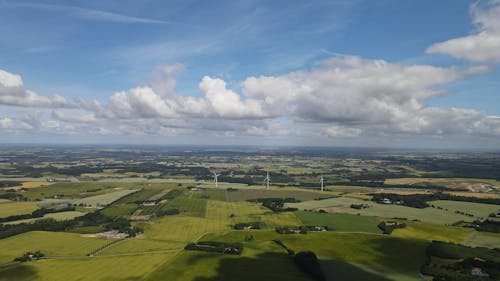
16, 208
248, 212
141, 245
31, 184
134, 267
474, 194
430, 231
57, 216
50, 243
182, 229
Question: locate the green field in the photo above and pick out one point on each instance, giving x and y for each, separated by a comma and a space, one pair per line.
182, 228
430, 231
120, 210
69, 190
302, 195
342, 205
50, 243
213, 266
135, 267
142, 245
340, 222
459, 183
103, 199
57, 216
483, 239
381, 254
10, 208
237, 212
479, 210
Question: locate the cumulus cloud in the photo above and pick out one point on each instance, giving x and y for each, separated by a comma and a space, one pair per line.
145, 102
12, 93
359, 93
483, 45
336, 131
339, 97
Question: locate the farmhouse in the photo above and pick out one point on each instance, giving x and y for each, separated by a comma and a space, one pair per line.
148, 203
477, 271
360, 206
113, 234
386, 201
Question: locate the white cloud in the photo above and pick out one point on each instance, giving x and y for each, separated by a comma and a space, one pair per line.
12, 93
91, 14
484, 45
336, 132
6, 123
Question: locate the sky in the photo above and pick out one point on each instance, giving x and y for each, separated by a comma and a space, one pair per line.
387, 73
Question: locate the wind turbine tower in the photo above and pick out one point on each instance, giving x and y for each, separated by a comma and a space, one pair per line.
321, 180
215, 179
267, 180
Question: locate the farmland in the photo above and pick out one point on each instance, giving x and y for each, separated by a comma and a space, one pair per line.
342, 205
48, 242
103, 199
131, 214
9, 208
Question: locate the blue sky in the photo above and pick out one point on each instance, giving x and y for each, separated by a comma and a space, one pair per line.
370, 73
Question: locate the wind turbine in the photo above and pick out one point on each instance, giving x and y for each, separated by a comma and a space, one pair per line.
267, 180
321, 180
215, 178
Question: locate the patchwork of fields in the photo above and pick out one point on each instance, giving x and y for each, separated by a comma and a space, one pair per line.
353, 248
432, 215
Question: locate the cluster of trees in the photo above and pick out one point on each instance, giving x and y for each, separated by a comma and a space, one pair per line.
36, 214
276, 204
123, 225
219, 247
90, 219
487, 226
420, 200
388, 226
30, 256
4, 184
467, 258
291, 229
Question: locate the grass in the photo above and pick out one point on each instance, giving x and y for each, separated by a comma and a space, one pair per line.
98, 268
430, 231
141, 245
302, 195
10, 208
479, 210
483, 239
57, 216
119, 210
50, 243
182, 228
342, 205
395, 258
69, 190
103, 199
340, 222
192, 265
31, 184
248, 212
448, 182
212, 194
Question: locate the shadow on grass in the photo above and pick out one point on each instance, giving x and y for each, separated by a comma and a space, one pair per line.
18, 272
343, 271
267, 266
